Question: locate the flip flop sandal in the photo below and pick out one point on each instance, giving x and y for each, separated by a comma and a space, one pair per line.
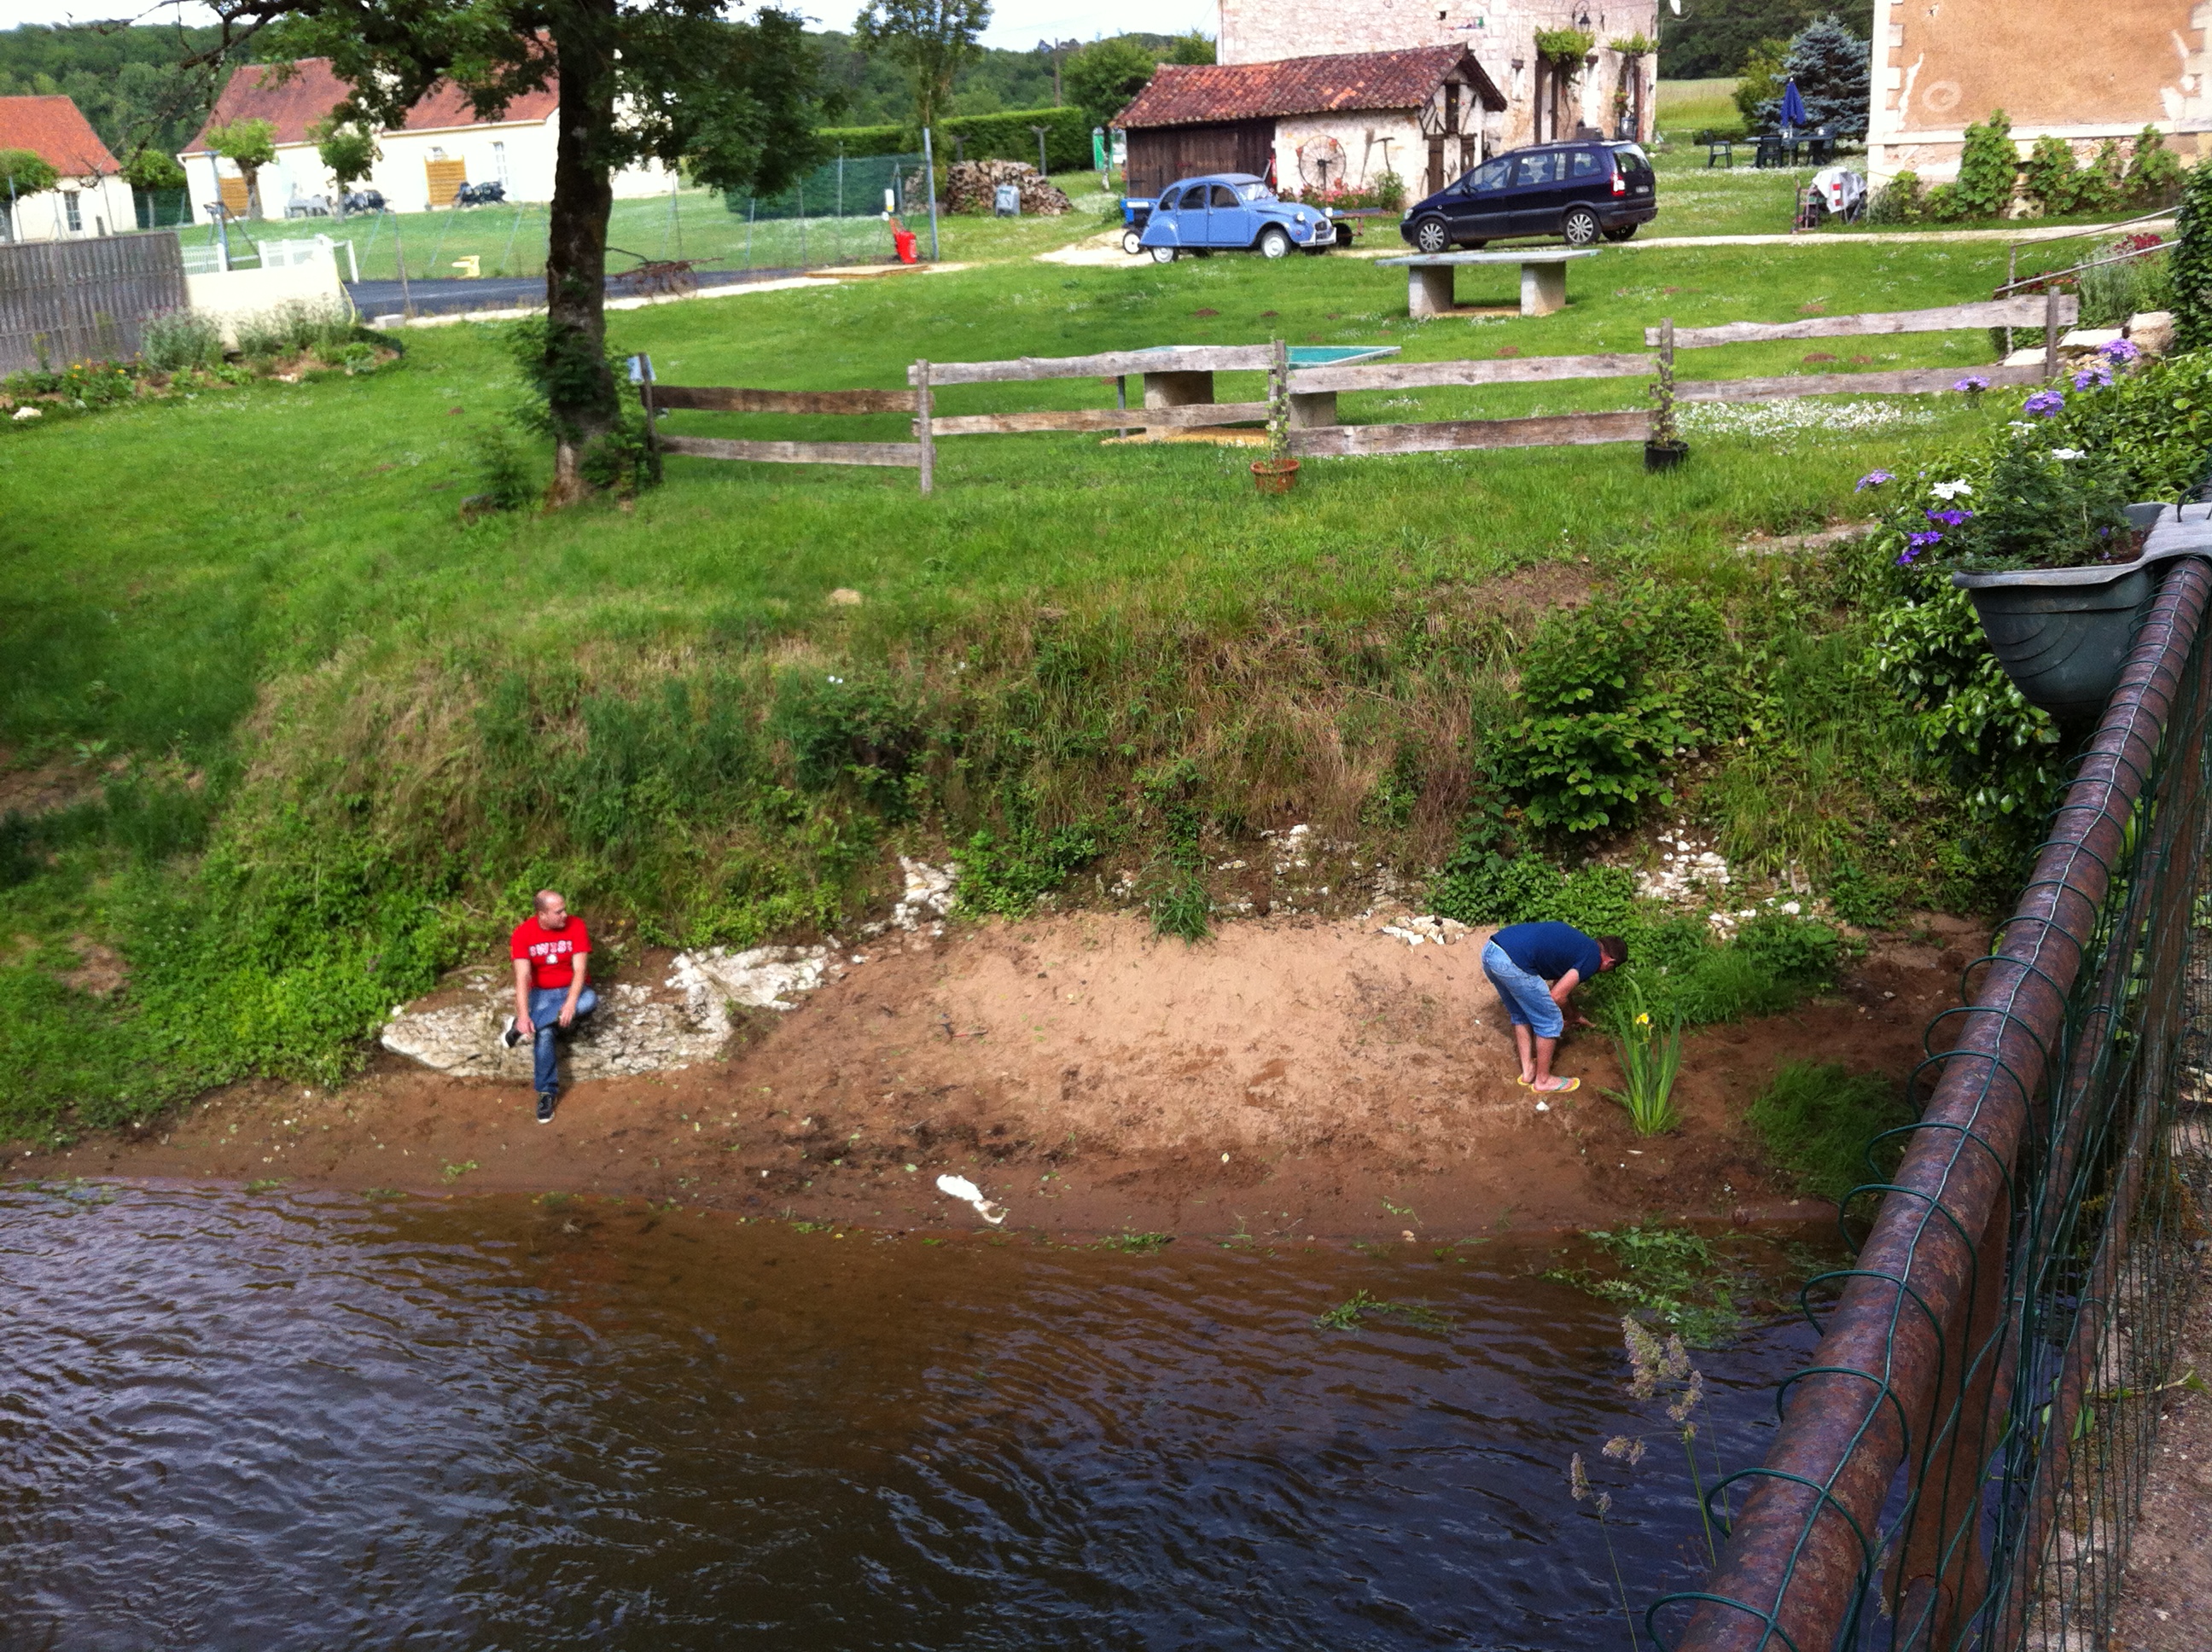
1523, 1082
1566, 1087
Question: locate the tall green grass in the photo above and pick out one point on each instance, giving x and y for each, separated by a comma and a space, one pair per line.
1817, 1119
351, 730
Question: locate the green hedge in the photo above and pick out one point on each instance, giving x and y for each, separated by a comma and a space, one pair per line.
1003, 136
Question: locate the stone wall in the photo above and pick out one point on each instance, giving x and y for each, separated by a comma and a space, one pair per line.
1938, 69
1502, 35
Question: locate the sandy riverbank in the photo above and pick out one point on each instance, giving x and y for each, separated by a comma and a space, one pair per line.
1292, 1077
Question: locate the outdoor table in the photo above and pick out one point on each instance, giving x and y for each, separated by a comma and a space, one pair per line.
1183, 389
1543, 277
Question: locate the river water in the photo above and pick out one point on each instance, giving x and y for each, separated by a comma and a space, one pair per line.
264, 1421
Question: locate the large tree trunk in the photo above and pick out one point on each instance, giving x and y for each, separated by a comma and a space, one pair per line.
581, 390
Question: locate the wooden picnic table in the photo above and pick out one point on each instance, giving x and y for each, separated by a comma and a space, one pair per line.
1543, 277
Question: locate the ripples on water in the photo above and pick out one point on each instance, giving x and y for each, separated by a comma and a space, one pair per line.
271, 1422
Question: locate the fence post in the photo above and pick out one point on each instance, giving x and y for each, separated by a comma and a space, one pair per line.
2051, 332
929, 182
1663, 412
923, 410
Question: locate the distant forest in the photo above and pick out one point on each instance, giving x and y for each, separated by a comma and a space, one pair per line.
127, 80
1713, 37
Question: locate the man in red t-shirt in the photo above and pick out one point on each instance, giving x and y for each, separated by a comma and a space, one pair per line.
552, 957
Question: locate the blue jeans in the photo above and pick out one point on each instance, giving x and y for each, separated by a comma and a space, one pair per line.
1527, 1000
545, 1004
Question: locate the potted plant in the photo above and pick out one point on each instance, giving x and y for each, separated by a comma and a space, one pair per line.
1664, 448
2051, 552
1279, 471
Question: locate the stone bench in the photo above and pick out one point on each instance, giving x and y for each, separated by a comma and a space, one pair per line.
1543, 277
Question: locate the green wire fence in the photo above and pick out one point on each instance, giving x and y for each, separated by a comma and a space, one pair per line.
1960, 1466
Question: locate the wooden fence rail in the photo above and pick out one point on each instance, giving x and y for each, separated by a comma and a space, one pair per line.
2033, 312
1178, 391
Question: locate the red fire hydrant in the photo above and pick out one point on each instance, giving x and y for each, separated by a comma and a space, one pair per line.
903, 239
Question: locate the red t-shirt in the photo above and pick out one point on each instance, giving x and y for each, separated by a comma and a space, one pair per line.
550, 950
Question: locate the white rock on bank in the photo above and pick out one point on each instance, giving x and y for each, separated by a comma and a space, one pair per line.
636, 1029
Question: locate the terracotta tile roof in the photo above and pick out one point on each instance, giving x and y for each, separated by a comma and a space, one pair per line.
1186, 94
293, 105
55, 129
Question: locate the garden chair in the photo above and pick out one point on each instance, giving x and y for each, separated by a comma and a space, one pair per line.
1822, 142
1719, 151
1773, 151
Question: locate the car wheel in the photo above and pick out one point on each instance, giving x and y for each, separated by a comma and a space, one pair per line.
1274, 243
1132, 242
1163, 255
1432, 236
1621, 233
1580, 228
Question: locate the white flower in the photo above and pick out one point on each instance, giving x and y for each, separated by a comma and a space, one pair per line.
1792, 907
23, 413
2068, 452
1950, 489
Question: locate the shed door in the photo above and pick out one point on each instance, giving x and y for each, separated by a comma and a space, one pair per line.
1160, 154
443, 178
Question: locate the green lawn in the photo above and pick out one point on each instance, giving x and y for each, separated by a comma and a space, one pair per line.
695, 224
1688, 107
342, 727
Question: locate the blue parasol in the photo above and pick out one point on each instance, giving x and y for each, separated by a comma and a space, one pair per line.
1792, 108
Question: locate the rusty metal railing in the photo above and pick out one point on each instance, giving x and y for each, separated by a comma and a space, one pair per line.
1958, 1466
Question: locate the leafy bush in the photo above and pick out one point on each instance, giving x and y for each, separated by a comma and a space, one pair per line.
1816, 1118
2112, 291
1801, 951
2155, 172
1989, 169
1614, 688
296, 328
502, 475
2153, 422
2036, 505
1759, 82
1008, 874
1902, 200
1480, 886
2192, 262
178, 340
2050, 179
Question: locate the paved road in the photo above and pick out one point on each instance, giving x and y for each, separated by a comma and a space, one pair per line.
378, 299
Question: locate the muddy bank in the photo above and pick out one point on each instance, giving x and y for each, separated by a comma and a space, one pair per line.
1294, 1076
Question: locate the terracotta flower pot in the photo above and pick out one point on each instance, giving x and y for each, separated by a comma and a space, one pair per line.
1274, 475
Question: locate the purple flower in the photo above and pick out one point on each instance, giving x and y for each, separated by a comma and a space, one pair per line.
2044, 403
1973, 383
2119, 350
1874, 479
1905, 558
1924, 538
1949, 519
2096, 373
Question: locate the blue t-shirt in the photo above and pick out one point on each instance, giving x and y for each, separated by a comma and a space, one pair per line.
1549, 951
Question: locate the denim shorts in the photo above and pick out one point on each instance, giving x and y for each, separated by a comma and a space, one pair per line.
1527, 1000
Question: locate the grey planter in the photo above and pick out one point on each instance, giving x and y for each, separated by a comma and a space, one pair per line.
2062, 633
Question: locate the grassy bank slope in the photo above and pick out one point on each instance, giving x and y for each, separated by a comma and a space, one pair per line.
337, 731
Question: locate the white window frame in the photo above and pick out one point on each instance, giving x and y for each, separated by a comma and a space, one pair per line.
71, 213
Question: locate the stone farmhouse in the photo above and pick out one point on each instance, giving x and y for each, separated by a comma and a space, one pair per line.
2052, 69
443, 145
1312, 124
90, 200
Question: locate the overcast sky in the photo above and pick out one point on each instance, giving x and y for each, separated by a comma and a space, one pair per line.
1016, 25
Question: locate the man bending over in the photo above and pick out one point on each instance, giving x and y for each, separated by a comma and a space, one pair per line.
552, 956
1535, 967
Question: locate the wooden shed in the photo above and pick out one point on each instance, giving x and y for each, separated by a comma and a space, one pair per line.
1313, 124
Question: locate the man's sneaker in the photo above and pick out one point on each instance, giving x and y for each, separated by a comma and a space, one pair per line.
546, 1108
507, 1034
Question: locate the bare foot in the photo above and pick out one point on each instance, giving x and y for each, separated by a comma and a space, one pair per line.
1555, 1086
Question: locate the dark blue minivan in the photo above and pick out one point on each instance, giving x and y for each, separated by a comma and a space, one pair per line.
1580, 191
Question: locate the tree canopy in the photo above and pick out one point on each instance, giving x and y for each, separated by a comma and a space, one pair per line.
22, 172
1714, 37
932, 40
1104, 75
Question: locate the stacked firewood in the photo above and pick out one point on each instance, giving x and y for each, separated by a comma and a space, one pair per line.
973, 187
